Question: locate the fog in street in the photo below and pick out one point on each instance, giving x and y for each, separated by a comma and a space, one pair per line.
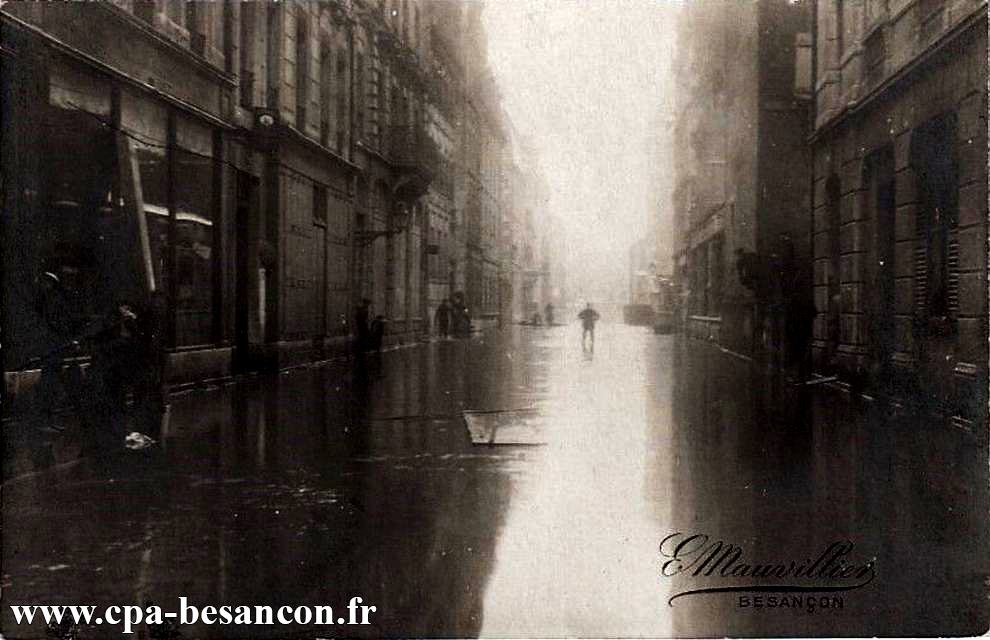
587, 84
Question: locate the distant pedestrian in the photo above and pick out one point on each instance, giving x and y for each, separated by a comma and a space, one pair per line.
442, 318
588, 318
460, 317
464, 322
548, 313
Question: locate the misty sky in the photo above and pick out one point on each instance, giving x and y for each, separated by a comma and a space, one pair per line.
585, 81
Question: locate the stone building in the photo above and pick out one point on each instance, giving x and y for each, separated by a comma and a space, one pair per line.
256, 167
742, 168
900, 199
127, 155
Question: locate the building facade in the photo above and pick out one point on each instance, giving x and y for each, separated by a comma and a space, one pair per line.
741, 167
256, 169
900, 200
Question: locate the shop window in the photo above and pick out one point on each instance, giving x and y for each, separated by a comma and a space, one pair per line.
79, 233
194, 234
153, 172
177, 177
145, 124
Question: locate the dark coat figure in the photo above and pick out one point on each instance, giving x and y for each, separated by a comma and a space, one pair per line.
460, 317
588, 318
442, 318
548, 313
126, 362
376, 333
362, 328
463, 322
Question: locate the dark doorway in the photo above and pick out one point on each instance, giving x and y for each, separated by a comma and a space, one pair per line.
246, 211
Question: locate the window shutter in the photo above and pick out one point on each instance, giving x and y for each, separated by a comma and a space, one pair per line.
952, 269
921, 266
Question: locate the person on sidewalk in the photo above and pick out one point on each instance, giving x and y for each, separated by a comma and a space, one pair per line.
362, 327
548, 314
442, 318
588, 318
377, 333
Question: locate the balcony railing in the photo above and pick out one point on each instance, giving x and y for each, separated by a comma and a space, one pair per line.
413, 152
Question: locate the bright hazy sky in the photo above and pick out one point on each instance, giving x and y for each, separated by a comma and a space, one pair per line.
585, 81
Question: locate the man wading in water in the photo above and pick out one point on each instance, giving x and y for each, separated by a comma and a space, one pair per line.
588, 318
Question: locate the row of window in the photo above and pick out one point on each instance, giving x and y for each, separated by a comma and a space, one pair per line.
209, 23
936, 278
850, 23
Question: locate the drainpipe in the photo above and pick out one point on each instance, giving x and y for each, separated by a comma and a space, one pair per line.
355, 250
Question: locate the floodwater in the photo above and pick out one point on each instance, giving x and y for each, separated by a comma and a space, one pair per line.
320, 484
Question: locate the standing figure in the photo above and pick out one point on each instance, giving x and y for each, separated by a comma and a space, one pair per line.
122, 364
442, 318
461, 317
362, 328
377, 332
588, 318
464, 322
548, 313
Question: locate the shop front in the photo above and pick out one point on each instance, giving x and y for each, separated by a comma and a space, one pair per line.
115, 199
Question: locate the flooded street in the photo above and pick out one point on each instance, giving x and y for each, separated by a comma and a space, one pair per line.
330, 482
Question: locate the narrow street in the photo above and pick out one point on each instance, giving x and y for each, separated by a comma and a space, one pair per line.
321, 484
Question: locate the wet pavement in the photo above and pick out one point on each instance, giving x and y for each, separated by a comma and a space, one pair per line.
324, 483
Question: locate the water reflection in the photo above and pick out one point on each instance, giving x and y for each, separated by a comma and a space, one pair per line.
307, 488
785, 472
575, 557
326, 483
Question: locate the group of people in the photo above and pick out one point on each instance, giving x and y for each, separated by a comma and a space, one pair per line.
122, 391
453, 318
588, 317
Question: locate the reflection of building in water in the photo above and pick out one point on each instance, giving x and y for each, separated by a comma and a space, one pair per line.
343, 496
784, 473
